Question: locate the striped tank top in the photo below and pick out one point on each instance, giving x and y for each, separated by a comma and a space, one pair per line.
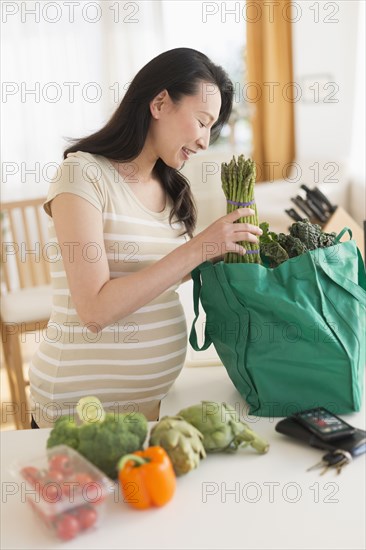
129, 365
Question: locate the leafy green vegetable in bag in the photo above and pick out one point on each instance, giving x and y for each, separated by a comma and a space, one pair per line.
304, 236
311, 235
292, 245
270, 248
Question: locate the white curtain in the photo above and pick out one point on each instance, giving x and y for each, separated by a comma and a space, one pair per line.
67, 64
65, 68
356, 164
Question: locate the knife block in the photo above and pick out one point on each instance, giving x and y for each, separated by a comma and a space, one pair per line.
340, 219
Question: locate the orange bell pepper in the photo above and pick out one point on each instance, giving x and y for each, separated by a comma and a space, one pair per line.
147, 478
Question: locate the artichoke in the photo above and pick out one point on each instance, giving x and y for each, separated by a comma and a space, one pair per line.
221, 428
182, 442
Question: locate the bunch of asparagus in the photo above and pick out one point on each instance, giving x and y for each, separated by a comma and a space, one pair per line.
238, 179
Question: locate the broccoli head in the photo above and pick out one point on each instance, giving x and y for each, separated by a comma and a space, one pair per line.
102, 442
66, 432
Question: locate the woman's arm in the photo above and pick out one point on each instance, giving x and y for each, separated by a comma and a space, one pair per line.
186, 278
103, 301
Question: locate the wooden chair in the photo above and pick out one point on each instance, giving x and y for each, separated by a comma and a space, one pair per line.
25, 293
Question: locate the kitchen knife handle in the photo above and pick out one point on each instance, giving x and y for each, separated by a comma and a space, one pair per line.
316, 211
319, 205
332, 208
294, 215
316, 195
299, 201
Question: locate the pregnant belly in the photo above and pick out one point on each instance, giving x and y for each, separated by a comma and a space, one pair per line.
128, 365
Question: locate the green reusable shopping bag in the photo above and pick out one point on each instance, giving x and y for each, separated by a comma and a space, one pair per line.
291, 337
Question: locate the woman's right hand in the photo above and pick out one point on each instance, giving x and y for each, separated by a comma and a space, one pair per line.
101, 300
223, 235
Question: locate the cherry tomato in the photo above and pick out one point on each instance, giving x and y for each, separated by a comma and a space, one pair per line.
82, 479
86, 516
69, 490
30, 474
51, 492
61, 463
54, 475
67, 527
93, 493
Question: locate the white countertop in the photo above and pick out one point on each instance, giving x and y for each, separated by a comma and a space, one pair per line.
236, 501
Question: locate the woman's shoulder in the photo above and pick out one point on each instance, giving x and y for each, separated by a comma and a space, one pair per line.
87, 166
80, 173
84, 158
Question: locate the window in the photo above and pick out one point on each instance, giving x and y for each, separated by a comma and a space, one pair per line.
218, 29
65, 71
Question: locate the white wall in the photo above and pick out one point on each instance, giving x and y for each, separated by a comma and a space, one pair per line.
357, 156
328, 48
329, 58
324, 47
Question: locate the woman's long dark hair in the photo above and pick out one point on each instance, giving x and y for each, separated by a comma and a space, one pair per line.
180, 72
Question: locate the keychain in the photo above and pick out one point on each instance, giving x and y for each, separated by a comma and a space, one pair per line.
322, 429
334, 459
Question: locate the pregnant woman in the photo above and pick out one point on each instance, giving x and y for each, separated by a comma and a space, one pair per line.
122, 220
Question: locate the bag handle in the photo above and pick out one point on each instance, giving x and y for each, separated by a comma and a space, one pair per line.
196, 277
356, 290
361, 264
361, 270
340, 235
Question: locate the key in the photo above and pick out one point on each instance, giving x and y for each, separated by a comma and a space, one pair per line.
340, 465
317, 465
332, 460
328, 460
347, 458
325, 469
343, 458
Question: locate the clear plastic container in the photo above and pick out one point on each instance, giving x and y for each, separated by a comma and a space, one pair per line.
66, 491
